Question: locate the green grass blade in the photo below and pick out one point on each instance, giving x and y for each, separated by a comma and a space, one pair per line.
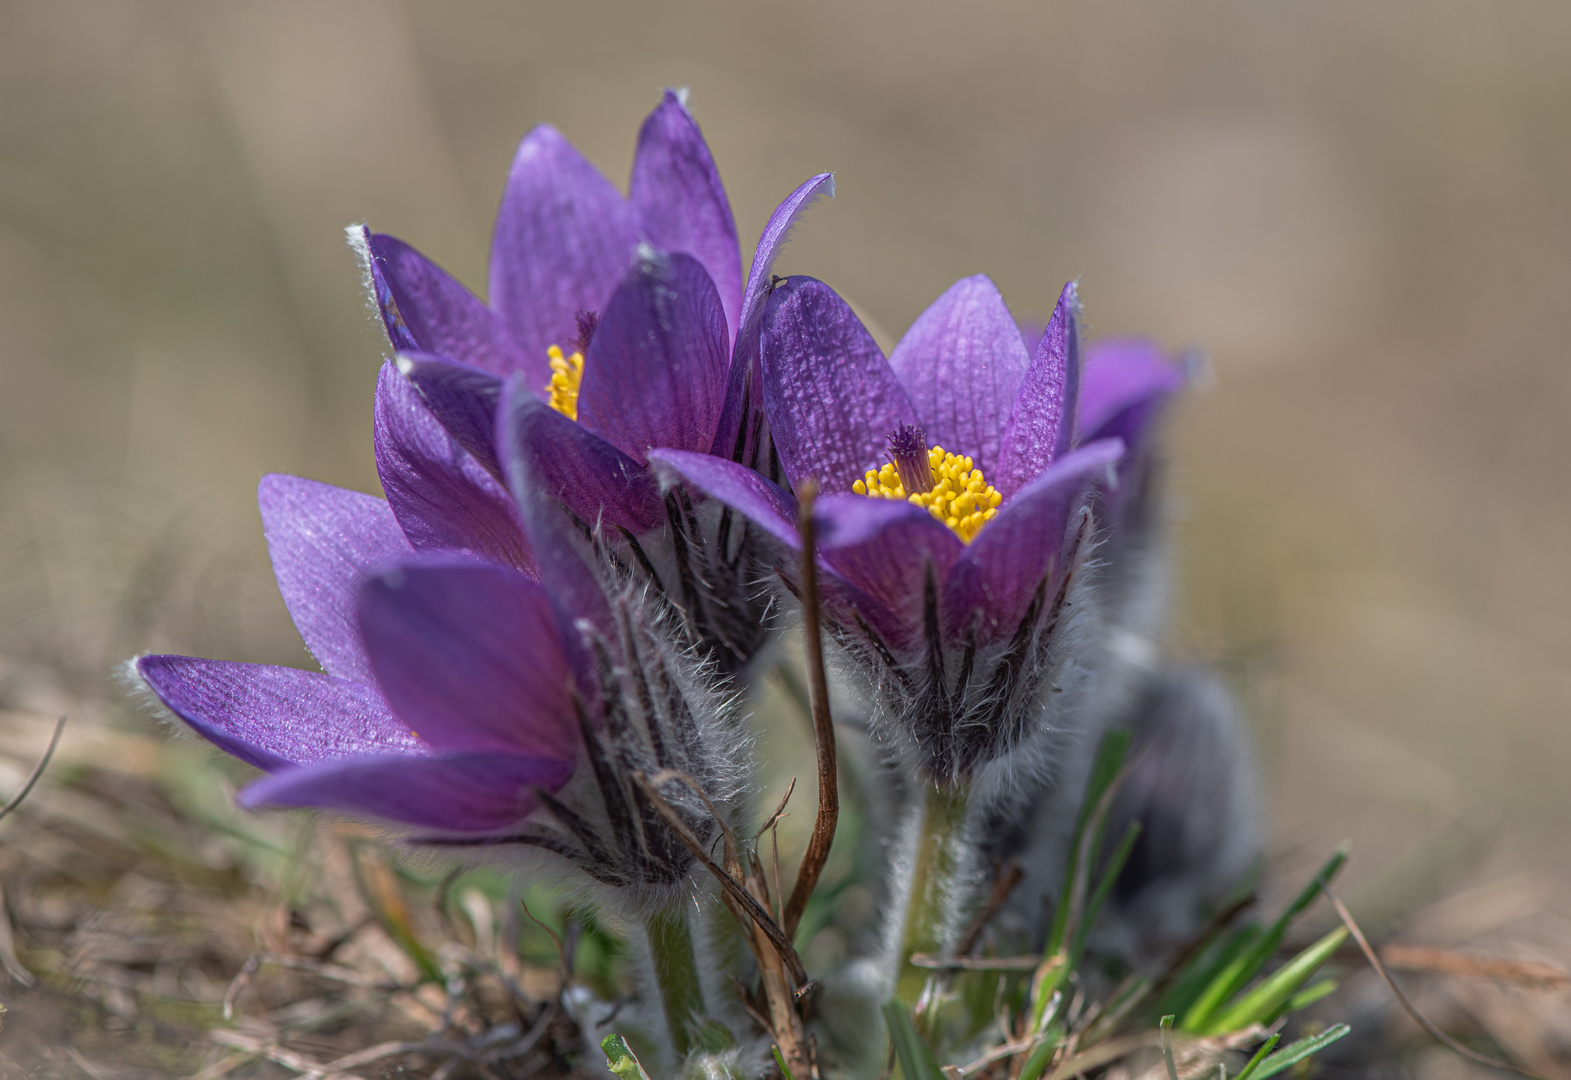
1041, 1054
1307, 997
623, 1062
1298, 1051
1202, 971
1167, 1047
1109, 759
1264, 1000
1115, 864
785, 1070
1237, 974
916, 1060
1260, 1055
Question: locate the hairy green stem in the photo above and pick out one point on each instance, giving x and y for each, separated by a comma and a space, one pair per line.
939, 862
676, 974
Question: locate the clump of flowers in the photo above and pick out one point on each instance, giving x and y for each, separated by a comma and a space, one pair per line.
612, 485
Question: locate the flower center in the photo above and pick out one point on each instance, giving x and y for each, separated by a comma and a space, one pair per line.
567, 372
947, 484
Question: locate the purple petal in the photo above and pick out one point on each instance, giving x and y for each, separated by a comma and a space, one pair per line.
463, 399
578, 468
426, 310
884, 548
1041, 423
535, 474
656, 370
830, 395
761, 502
1001, 569
273, 717
443, 498
564, 235
1123, 378
468, 655
962, 362
461, 792
324, 541
744, 392
680, 202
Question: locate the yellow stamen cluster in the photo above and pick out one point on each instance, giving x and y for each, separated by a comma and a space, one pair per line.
567, 372
960, 497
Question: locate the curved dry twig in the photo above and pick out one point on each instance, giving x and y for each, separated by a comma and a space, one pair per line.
1423, 1021
38, 770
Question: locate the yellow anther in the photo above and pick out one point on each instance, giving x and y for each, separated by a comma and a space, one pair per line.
567, 372
960, 496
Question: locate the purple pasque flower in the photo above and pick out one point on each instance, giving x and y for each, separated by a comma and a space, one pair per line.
627, 323
458, 694
958, 608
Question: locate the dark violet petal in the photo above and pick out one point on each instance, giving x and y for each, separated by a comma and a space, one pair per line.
441, 495
962, 363
656, 369
883, 548
468, 655
831, 398
458, 792
579, 469
426, 310
1041, 423
539, 457
273, 717
360, 239
1123, 376
744, 393
765, 504
681, 204
564, 235
1000, 570
324, 540
463, 399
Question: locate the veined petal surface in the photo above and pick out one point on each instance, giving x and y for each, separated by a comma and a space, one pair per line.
272, 717
680, 203
1041, 422
962, 363
443, 498
324, 541
564, 235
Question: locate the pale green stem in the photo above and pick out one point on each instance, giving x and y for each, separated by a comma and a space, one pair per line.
939, 861
676, 973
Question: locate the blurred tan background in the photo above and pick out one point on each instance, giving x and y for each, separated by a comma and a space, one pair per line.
1361, 211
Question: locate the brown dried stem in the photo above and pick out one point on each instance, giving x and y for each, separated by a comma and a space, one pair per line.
1422, 1020
823, 725
38, 770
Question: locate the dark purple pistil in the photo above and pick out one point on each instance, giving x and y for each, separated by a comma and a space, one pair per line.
588, 322
908, 452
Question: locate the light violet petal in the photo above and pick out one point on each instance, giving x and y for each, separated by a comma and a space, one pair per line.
1041, 423
655, 372
564, 235
468, 655
426, 310
273, 717
324, 541
681, 204
737, 437
577, 468
1001, 570
456, 792
443, 498
463, 399
765, 504
831, 398
962, 363
1124, 379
